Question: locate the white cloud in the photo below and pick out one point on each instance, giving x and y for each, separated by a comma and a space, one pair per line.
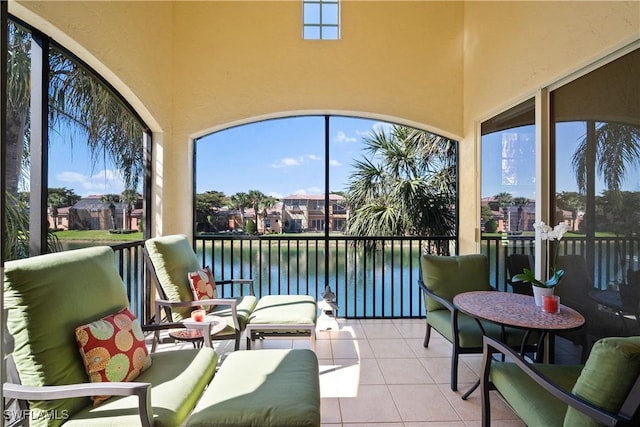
313, 157
382, 127
288, 162
342, 137
106, 181
335, 163
275, 194
308, 191
71, 177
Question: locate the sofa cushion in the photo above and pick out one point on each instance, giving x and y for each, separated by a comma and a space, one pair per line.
609, 373
202, 286
447, 276
113, 349
178, 378
173, 259
531, 402
46, 297
262, 387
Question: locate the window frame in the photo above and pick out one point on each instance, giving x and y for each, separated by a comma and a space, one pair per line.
321, 25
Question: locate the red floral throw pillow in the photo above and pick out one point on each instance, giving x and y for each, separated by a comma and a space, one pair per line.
203, 286
113, 349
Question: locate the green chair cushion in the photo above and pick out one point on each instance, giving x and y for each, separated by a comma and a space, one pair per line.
609, 373
469, 332
531, 402
173, 258
447, 276
293, 309
178, 378
47, 297
244, 307
262, 387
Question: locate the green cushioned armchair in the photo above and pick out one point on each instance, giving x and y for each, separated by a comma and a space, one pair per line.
603, 391
441, 279
46, 297
170, 259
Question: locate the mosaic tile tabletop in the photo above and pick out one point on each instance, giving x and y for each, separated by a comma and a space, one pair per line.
516, 310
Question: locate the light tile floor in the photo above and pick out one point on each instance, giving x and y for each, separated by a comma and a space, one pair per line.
377, 373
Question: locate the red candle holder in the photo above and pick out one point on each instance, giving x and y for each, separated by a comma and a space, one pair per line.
551, 304
198, 315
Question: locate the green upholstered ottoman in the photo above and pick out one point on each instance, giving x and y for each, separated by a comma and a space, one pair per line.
274, 388
283, 316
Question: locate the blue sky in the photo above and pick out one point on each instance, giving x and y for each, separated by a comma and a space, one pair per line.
71, 167
521, 183
281, 157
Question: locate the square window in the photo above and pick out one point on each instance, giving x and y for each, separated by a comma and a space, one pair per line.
321, 19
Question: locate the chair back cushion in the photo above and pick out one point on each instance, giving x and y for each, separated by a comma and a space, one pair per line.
447, 276
173, 258
611, 370
46, 298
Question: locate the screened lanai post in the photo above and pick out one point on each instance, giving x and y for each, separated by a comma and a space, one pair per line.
4, 31
39, 144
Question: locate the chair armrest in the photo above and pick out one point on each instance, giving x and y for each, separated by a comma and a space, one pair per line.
197, 303
142, 390
491, 346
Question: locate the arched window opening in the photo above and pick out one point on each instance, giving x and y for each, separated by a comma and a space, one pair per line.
320, 201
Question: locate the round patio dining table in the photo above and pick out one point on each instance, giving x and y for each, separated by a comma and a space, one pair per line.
518, 311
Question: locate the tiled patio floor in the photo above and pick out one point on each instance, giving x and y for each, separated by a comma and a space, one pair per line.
377, 373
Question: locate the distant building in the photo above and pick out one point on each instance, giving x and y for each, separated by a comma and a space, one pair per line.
90, 213
307, 213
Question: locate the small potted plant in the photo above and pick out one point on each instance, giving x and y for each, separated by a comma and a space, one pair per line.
546, 286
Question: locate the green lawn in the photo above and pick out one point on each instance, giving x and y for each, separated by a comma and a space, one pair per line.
101, 235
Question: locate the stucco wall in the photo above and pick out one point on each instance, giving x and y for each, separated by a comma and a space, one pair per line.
238, 61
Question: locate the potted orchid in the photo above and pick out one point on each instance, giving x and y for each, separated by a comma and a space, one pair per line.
545, 287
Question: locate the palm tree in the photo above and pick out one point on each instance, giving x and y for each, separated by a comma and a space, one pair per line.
267, 203
54, 200
406, 185
112, 199
608, 149
615, 148
520, 202
240, 201
505, 200
571, 201
255, 200
129, 197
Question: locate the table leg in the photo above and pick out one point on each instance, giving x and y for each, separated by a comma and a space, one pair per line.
473, 388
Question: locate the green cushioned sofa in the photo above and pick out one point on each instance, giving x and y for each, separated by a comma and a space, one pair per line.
603, 391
